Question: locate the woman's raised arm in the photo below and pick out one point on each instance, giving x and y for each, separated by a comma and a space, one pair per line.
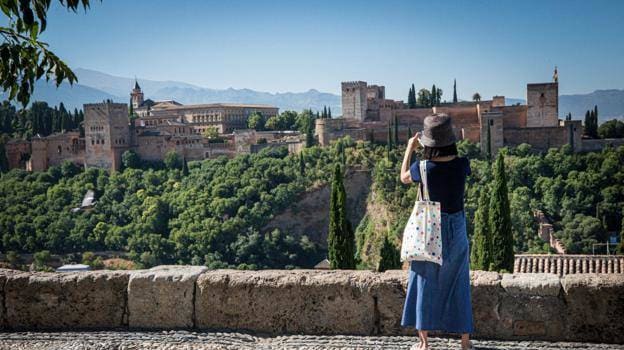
412, 143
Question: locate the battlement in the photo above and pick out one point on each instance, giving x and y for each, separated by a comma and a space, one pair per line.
357, 83
580, 307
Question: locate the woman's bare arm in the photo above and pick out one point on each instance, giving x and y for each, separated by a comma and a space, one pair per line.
406, 177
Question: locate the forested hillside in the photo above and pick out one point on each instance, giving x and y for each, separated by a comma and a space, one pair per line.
212, 213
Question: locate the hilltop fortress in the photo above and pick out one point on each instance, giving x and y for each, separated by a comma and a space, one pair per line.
367, 115
155, 129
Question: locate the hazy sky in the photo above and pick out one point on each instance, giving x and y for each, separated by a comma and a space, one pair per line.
493, 47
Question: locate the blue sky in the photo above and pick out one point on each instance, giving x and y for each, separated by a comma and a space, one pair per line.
493, 47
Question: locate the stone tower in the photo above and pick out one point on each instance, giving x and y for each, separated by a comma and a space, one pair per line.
136, 95
494, 122
543, 105
354, 103
107, 134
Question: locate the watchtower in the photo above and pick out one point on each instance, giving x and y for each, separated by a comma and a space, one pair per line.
107, 134
354, 102
542, 105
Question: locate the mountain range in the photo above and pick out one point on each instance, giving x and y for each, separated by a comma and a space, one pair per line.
94, 86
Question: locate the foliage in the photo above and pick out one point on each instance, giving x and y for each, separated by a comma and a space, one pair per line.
25, 59
411, 97
591, 123
476, 97
340, 238
41, 260
256, 121
173, 160
481, 252
389, 256
454, 91
130, 159
38, 119
611, 129
499, 217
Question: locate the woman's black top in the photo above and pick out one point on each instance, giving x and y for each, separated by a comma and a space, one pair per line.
446, 182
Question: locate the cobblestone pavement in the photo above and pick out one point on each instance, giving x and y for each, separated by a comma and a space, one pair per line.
124, 340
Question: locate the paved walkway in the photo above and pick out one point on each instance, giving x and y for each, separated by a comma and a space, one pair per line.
230, 340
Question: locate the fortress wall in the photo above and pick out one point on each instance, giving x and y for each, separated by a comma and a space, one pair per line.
540, 138
580, 307
599, 144
515, 116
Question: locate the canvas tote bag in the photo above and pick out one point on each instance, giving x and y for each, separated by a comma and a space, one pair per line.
422, 236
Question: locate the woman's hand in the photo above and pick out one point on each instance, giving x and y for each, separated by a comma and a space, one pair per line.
413, 142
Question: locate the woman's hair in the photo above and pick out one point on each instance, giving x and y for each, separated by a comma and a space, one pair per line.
434, 152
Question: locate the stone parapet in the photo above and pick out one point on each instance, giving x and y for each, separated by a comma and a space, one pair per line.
580, 307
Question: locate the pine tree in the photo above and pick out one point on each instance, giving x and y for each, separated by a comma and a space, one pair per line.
480, 255
396, 130
454, 90
340, 238
389, 256
185, 169
301, 164
500, 220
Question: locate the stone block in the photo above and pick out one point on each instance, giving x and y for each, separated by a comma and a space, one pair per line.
485, 293
388, 290
536, 284
4, 273
293, 301
594, 307
163, 297
78, 300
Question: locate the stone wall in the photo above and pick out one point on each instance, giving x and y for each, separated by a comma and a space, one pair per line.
581, 307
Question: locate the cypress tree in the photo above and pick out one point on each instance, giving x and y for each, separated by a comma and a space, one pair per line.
500, 220
340, 239
301, 164
324, 112
329, 112
411, 97
4, 162
130, 109
432, 97
309, 134
480, 255
409, 133
488, 150
396, 130
454, 90
389, 256
620, 247
389, 141
185, 169
587, 123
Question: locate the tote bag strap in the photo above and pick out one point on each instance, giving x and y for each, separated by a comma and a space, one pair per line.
423, 180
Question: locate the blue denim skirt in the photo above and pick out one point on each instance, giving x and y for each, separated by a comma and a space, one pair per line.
438, 297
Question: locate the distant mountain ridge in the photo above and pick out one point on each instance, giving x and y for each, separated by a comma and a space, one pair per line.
94, 86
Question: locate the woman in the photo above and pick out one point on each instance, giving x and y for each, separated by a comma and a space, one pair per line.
438, 297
